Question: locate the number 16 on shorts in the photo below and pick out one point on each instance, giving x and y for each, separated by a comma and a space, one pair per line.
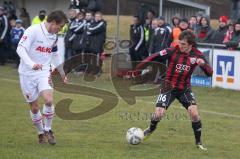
162, 98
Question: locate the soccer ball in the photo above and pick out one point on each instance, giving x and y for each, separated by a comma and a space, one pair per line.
134, 136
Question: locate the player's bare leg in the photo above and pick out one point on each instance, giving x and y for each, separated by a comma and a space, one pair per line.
159, 114
36, 117
48, 112
196, 125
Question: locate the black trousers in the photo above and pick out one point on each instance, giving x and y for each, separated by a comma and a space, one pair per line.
2, 54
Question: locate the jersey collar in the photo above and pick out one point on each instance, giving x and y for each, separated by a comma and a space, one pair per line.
44, 29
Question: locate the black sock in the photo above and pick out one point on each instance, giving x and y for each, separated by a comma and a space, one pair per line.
197, 126
153, 123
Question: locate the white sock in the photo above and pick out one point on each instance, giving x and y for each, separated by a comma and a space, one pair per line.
37, 121
48, 113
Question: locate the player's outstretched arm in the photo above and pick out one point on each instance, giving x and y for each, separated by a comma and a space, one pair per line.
203, 64
164, 54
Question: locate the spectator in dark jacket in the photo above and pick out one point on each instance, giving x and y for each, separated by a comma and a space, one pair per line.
97, 33
85, 43
235, 41
86, 38
163, 24
3, 37
205, 32
150, 15
160, 38
69, 37
137, 49
97, 36
78, 32
220, 33
153, 26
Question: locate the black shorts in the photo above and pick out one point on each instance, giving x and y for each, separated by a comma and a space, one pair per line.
185, 97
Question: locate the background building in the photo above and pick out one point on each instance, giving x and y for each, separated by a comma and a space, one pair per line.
130, 7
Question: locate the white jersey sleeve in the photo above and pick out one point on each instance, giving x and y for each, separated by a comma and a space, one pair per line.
28, 38
21, 51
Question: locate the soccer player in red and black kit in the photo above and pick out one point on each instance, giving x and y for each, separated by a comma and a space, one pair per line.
182, 60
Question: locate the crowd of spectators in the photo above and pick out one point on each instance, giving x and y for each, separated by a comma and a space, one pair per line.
11, 31
86, 31
155, 34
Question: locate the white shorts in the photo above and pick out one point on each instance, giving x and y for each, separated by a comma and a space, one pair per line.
32, 86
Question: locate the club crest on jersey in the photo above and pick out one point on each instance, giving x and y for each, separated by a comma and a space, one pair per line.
163, 52
24, 38
44, 49
193, 60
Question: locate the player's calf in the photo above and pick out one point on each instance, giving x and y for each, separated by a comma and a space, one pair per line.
196, 123
48, 112
37, 122
154, 121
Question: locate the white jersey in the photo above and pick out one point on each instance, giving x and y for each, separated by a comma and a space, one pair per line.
40, 46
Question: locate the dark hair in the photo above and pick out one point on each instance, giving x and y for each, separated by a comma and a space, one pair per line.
58, 16
42, 11
88, 11
136, 16
152, 11
193, 16
99, 13
81, 13
184, 20
189, 36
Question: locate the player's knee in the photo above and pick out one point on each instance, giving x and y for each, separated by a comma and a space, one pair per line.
34, 110
48, 97
34, 107
160, 112
48, 101
194, 115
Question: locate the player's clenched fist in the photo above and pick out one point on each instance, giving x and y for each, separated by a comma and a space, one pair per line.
200, 62
64, 79
37, 66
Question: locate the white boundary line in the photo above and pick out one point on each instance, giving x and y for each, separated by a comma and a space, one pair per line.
203, 111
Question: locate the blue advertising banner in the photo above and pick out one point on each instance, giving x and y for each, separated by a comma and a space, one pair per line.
201, 81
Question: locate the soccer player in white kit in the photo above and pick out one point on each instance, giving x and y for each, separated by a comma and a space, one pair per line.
37, 49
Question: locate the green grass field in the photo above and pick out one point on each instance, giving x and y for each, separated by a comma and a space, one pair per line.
103, 137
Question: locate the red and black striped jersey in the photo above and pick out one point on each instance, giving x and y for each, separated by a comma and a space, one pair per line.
181, 66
